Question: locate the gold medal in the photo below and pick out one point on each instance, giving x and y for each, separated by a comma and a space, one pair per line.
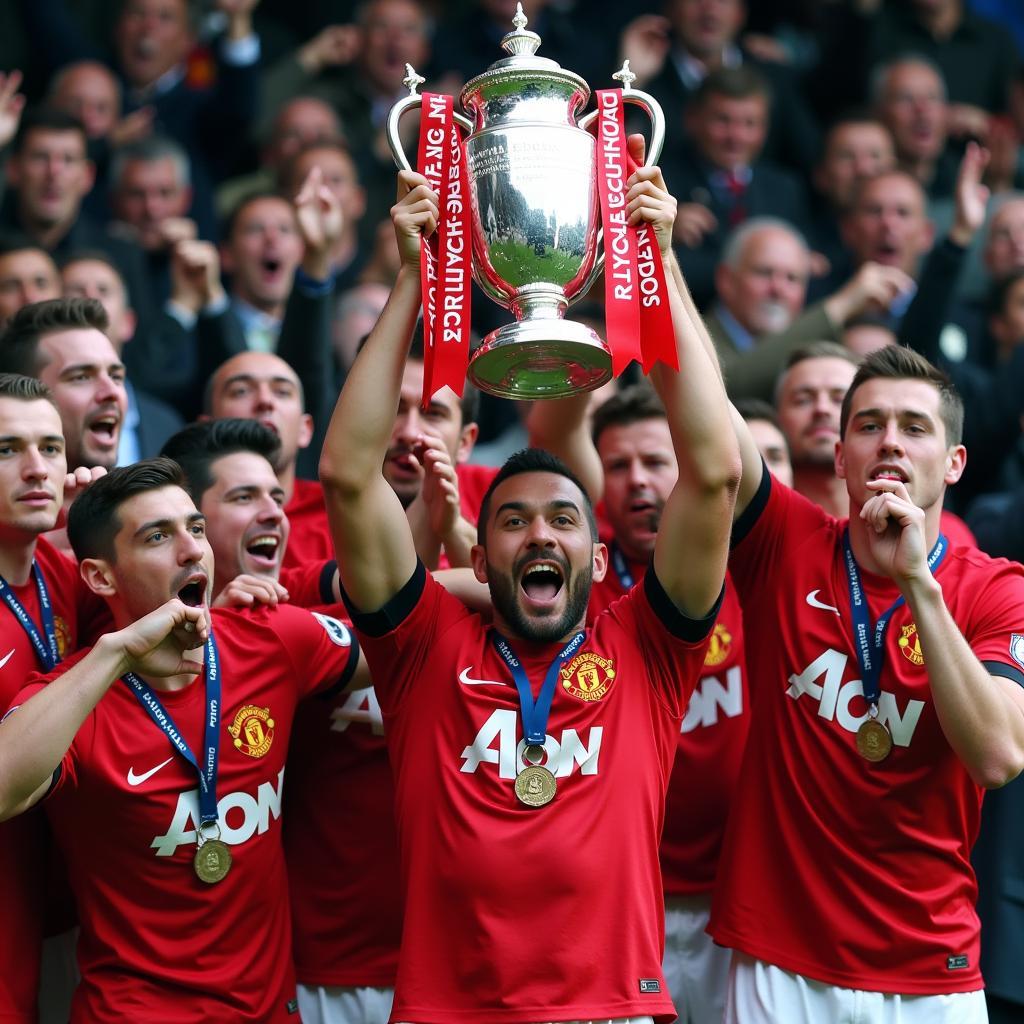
873, 740
535, 786
212, 861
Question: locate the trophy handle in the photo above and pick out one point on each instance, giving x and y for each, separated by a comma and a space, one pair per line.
412, 81
652, 108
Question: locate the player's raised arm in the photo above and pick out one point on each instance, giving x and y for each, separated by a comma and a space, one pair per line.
693, 539
372, 539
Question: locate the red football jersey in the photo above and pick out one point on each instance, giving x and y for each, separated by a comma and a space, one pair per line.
712, 736
473, 483
512, 913
155, 940
957, 531
345, 894
341, 844
24, 841
310, 536
852, 873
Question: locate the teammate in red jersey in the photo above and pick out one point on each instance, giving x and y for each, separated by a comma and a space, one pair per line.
887, 668
39, 593
631, 435
181, 889
523, 904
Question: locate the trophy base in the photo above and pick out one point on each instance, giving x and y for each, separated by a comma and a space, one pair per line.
543, 358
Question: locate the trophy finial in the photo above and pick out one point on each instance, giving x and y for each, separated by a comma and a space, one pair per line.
412, 81
522, 42
625, 76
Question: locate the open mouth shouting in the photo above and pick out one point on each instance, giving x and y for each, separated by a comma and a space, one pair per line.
541, 582
263, 551
193, 591
103, 429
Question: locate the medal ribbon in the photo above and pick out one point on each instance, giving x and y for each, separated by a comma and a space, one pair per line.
868, 643
48, 653
621, 567
535, 715
638, 317
211, 735
445, 257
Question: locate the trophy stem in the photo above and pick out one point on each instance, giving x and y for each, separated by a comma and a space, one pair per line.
540, 358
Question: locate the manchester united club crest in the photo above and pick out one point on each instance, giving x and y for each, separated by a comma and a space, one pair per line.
63, 634
588, 677
719, 647
910, 645
252, 730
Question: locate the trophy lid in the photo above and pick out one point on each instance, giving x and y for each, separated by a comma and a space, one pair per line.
521, 45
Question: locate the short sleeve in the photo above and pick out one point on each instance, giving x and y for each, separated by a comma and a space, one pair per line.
671, 646
399, 638
996, 633
323, 649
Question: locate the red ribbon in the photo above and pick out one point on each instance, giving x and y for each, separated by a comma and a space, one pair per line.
637, 313
445, 256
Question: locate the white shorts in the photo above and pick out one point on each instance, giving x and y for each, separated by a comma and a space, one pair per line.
336, 1004
762, 994
696, 970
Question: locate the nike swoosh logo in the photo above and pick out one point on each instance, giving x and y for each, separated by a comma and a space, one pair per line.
467, 680
7, 657
812, 600
138, 780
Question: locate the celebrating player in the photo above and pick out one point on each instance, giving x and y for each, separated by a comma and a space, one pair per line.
524, 823
160, 753
886, 669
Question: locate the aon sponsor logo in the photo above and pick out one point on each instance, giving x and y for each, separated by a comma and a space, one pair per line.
711, 696
360, 706
822, 681
240, 816
496, 743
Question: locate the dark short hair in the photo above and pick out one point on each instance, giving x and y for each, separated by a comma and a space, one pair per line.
97, 256
46, 119
93, 522
897, 363
633, 404
19, 341
17, 241
24, 389
739, 83
532, 460
198, 446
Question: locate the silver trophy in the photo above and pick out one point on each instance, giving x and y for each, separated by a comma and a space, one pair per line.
535, 214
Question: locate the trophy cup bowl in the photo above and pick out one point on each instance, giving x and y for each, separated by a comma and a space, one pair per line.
535, 216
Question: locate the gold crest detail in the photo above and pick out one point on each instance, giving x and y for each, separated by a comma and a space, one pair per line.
910, 645
252, 730
588, 677
719, 646
63, 634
